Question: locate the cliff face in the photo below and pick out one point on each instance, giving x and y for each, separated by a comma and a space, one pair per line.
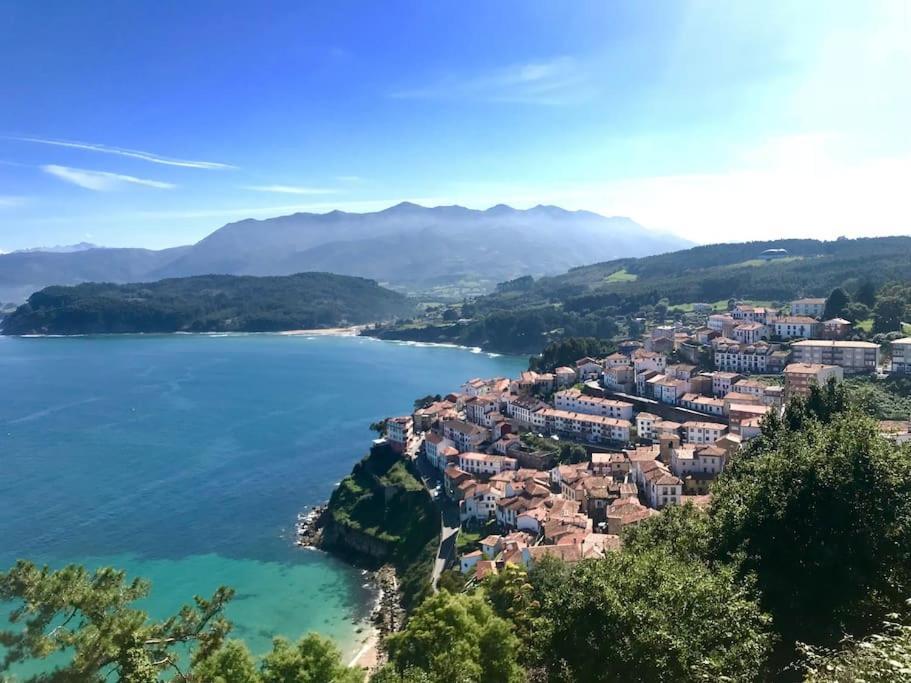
381, 513
356, 545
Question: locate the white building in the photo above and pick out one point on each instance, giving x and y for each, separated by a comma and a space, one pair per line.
399, 432
795, 327
660, 486
588, 368
703, 404
813, 308
575, 401
901, 356
750, 387
485, 464
435, 447
723, 382
697, 460
649, 360
465, 436
565, 376
852, 356
742, 358
594, 428
702, 433
749, 332
479, 503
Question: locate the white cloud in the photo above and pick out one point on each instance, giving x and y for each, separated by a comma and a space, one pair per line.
101, 181
131, 153
793, 186
556, 81
289, 189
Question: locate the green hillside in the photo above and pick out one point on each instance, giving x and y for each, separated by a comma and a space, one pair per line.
598, 300
208, 303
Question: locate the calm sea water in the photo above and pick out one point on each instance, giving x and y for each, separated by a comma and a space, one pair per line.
185, 459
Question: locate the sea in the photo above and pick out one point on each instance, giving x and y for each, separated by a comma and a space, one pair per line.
185, 459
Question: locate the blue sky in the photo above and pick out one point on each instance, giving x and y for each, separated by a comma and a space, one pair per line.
153, 123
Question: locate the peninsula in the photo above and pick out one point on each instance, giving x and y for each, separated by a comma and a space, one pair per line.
208, 303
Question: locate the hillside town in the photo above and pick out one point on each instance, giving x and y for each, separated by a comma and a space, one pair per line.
559, 463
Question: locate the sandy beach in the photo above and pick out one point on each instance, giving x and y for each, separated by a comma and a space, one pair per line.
368, 656
352, 331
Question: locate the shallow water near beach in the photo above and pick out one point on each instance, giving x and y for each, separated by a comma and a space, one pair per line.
186, 458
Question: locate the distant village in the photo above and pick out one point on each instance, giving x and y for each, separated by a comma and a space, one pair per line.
653, 427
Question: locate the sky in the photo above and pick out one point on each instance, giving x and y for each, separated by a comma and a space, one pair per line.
152, 123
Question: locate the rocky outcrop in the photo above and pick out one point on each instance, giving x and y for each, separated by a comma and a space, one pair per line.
354, 545
380, 514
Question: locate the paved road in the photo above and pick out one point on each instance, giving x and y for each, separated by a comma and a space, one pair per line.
449, 519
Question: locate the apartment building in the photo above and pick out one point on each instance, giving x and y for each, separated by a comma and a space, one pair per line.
799, 377
852, 356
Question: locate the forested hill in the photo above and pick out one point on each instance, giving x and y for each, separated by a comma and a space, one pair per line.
600, 300
718, 271
208, 303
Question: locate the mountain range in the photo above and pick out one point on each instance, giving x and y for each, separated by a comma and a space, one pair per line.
447, 251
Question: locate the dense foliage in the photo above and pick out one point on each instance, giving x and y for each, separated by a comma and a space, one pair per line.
455, 639
568, 351
880, 658
567, 452
313, 659
219, 303
885, 399
819, 510
384, 505
652, 616
92, 618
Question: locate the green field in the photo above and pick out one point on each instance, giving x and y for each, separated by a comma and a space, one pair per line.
719, 306
759, 262
621, 276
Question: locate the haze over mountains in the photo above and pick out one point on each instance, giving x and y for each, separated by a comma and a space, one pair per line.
444, 250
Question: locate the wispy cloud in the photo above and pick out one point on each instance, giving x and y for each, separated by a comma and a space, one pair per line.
101, 181
11, 201
556, 81
131, 153
289, 189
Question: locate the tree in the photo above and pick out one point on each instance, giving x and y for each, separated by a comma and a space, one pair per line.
379, 427
883, 657
682, 530
651, 616
457, 639
313, 660
866, 294
818, 509
513, 596
568, 350
836, 303
888, 314
91, 618
233, 663
855, 312
426, 401
389, 674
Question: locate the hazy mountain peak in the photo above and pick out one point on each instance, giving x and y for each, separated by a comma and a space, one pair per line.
59, 248
407, 245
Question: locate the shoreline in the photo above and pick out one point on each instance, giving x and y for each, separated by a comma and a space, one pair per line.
351, 331
386, 613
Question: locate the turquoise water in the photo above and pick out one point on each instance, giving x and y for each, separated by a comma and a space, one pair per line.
185, 459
